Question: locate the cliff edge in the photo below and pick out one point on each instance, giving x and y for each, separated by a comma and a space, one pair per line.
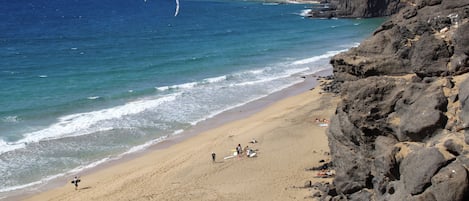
357, 8
401, 130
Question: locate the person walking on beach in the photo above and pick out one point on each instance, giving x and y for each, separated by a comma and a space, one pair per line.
75, 182
213, 156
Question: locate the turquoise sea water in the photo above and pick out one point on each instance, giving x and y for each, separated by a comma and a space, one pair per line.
83, 82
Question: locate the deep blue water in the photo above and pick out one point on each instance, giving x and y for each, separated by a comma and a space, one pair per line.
86, 81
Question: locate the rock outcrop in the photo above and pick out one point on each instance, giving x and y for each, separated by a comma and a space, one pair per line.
401, 130
357, 8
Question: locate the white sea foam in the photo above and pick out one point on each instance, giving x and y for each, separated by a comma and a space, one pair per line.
10, 146
294, 71
11, 119
189, 85
51, 177
9, 72
12, 188
215, 79
144, 146
317, 58
270, 4
215, 113
164, 88
293, 2
259, 71
93, 97
43, 76
86, 167
253, 82
84, 123
306, 12
350, 45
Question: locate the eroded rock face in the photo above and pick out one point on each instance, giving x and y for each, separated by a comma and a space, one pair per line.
401, 130
359, 8
421, 112
419, 167
427, 41
464, 99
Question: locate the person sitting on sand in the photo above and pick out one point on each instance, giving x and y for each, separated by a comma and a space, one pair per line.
250, 153
325, 174
245, 149
253, 141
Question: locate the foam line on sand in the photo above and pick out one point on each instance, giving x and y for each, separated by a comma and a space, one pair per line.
288, 142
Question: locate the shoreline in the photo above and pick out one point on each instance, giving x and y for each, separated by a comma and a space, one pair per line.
221, 119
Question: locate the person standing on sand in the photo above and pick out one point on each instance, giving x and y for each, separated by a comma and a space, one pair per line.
239, 150
213, 156
75, 182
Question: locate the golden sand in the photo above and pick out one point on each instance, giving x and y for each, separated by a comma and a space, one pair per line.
289, 141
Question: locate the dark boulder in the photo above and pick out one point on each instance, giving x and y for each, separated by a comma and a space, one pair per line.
460, 60
429, 56
364, 194
423, 3
350, 163
425, 196
421, 112
452, 4
451, 183
454, 147
464, 98
418, 168
410, 12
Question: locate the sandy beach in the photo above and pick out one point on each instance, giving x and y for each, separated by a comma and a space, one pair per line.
289, 141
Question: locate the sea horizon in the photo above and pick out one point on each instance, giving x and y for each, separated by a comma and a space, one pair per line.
89, 82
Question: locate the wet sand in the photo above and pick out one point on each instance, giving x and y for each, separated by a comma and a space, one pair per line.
289, 141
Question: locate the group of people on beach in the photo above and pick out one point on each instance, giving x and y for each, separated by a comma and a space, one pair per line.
325, 170
323, 120
240, 151
247, 150
325, 173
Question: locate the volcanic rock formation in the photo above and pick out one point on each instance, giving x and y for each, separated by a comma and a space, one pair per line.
401, 130
356, 8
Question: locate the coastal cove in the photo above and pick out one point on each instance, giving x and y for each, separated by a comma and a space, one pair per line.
288, 142
230, 117
92, 84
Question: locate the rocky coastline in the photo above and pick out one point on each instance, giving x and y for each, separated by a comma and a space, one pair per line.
355, 8
401, 129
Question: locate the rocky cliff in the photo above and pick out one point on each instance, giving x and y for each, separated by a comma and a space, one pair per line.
357, 8
401, 130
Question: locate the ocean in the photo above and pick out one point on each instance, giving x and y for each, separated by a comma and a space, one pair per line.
84, 82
